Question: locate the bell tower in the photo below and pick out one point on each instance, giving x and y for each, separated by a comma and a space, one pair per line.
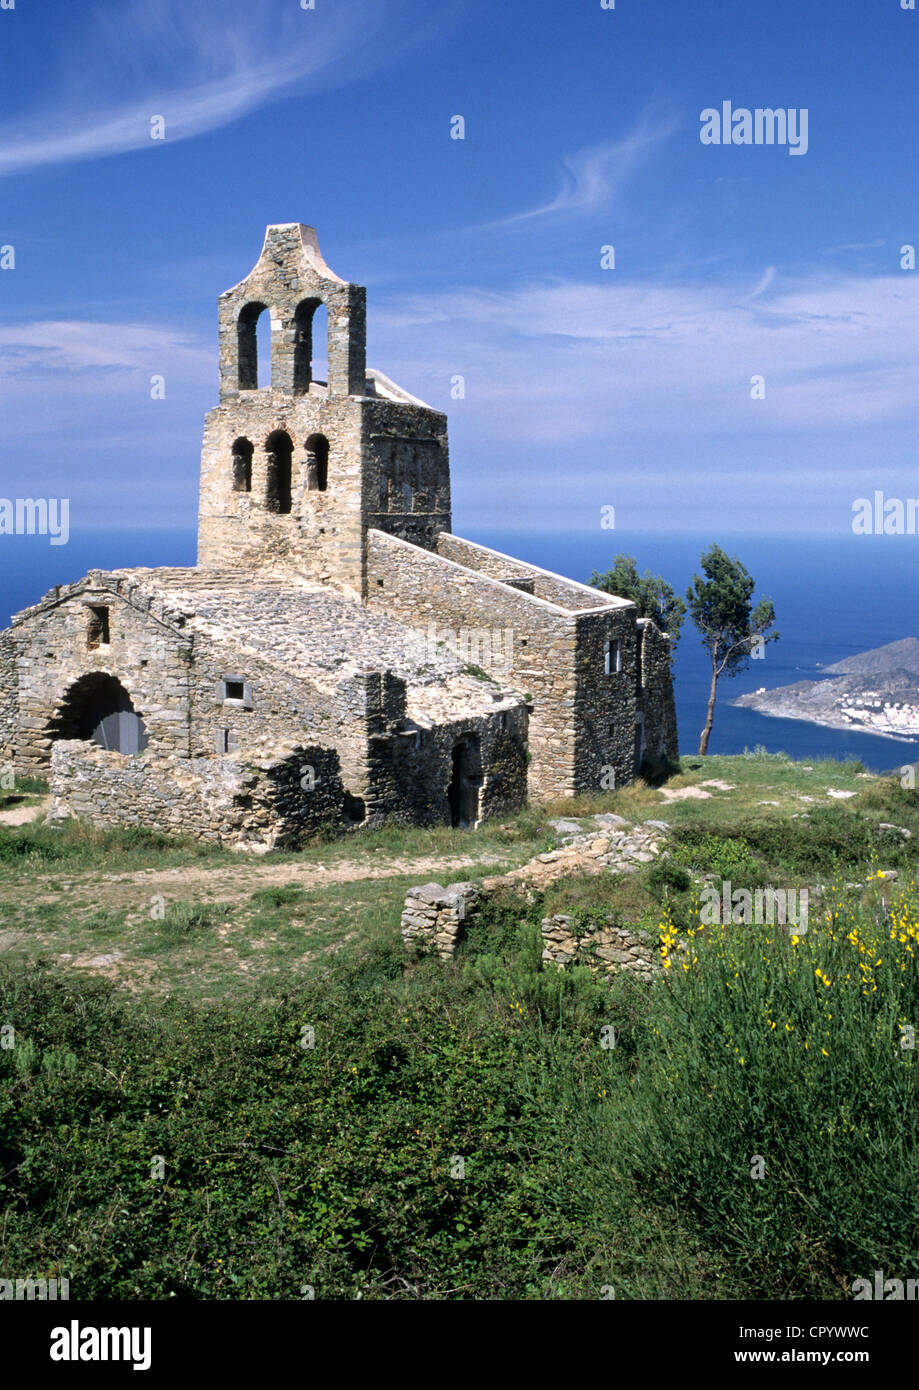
294, 471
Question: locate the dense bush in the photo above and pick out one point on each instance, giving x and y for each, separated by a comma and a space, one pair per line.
491, 1128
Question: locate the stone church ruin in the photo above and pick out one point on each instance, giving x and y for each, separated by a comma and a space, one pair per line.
294, 678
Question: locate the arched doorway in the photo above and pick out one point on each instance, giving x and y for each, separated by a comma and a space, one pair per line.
97, 708
466, 779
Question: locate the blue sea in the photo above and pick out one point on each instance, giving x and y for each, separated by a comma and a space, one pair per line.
834, 597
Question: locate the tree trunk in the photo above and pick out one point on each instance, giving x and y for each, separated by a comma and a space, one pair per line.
709, 715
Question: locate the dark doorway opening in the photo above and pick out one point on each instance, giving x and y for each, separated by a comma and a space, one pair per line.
463, 791
639, 745
97, 708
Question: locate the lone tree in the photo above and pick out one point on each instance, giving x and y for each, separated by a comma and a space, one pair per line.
651, 594
731, 630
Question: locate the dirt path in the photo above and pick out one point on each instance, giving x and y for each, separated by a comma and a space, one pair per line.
231, 882
22, 815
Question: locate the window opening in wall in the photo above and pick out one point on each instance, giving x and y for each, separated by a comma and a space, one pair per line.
253, 358
242, 465
236, 690
226, 741
317, 463
303, 344
612, 656
279, 451
97, 633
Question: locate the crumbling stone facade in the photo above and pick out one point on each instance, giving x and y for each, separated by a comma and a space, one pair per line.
331, 611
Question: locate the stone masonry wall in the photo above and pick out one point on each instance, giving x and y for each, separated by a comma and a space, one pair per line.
556, 657
656, 695
553, 588
246, 804
149, 652
406, 470
604, 948
172, 674
321, 535
9, 697
434, 918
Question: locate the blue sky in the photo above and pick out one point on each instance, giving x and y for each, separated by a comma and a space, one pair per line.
585, 387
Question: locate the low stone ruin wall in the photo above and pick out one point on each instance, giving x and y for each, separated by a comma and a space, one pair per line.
602, 947
275, 803
435, 918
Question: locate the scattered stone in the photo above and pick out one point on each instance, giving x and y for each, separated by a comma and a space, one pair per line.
838, 795
567, 827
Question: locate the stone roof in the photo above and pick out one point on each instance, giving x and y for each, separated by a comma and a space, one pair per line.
309, 630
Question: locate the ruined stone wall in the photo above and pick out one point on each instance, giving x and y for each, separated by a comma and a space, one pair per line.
234, 800
9, 697
411, 770
604, 948
173, 675
435, 918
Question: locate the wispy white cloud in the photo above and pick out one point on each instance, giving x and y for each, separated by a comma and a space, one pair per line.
763, 283
595, 175
86, 346
197, 66
853, 246
570, 361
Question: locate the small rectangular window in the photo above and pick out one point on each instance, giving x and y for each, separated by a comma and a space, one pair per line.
97, 632
612, 656
234, 690
226, 741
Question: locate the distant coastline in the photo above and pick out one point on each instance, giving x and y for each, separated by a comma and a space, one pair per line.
875, 692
